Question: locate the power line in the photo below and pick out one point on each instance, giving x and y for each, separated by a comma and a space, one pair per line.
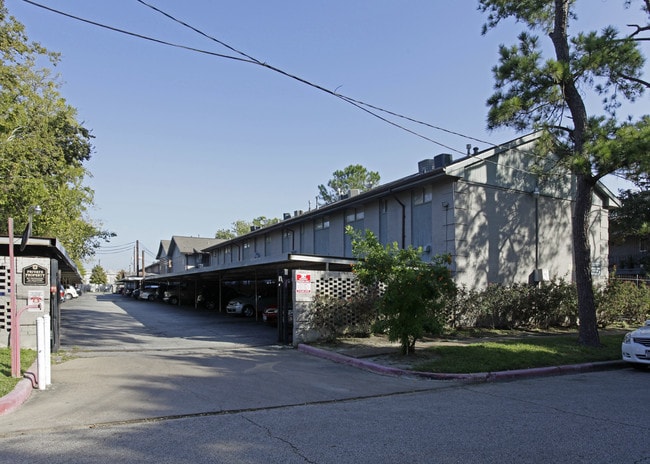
134, 34
368, 108
115, 249
334, 93
245, 58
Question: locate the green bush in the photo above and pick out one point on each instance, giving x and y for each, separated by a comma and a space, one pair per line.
414, 291
552, 304
621, 302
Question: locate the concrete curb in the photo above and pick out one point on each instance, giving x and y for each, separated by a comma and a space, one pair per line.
20, 393
477, 377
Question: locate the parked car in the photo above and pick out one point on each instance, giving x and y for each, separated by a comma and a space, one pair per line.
136, 293
149, 293
178, 294
70, 293
209, 296
245, 305
270, 315
635, 348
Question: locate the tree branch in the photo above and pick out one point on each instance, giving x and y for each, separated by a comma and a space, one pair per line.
634, 79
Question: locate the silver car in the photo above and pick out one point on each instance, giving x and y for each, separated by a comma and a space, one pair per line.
245, 305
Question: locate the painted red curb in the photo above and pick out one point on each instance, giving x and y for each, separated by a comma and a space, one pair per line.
11, 401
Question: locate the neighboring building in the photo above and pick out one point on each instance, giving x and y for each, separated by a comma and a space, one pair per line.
630, 258
185, 253
164, 263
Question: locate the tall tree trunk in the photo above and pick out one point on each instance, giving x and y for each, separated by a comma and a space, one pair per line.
588, 332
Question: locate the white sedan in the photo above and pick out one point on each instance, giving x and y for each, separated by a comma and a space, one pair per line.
636, 346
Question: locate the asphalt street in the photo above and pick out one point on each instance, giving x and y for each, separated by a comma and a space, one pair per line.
147, 382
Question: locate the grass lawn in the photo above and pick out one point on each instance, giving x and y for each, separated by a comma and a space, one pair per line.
7, 383
526, 353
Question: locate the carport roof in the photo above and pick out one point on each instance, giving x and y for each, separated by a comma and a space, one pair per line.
43, 247
262, 270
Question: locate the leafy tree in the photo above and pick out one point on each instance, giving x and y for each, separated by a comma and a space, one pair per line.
413, 299
632, 219
225, 234
98, 275
549, 94
241, 227
354, 176
42, 147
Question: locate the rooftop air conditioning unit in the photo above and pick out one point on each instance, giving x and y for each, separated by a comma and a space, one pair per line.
442, 160
425, 166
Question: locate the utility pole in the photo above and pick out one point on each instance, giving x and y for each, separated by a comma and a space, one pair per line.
137, 260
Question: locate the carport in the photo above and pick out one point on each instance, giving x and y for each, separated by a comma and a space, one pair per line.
264, 277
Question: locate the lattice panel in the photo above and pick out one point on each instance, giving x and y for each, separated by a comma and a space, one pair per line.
343, 311
337, 287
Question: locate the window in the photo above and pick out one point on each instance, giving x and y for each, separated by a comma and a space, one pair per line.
322, 223
353, 218
422, 218
421, 196
322, 235
353, 215
287, 241
383, 221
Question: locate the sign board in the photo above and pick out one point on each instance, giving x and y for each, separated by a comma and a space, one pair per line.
35, 275
303, 286
35, 300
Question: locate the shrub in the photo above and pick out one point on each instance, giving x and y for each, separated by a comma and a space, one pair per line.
412, 301
552, 304
621, 302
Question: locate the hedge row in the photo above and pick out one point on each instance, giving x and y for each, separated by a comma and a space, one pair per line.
520, 306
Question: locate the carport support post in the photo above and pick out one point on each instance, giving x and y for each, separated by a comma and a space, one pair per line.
283, 311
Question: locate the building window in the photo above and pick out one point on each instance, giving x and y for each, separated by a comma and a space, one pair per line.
322, 223
353, 218
421, 196
287, 241
422, 218
267, 244
322, 236
353, 215
383, 221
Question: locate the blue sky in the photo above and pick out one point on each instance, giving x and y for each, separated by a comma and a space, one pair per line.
187, 143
